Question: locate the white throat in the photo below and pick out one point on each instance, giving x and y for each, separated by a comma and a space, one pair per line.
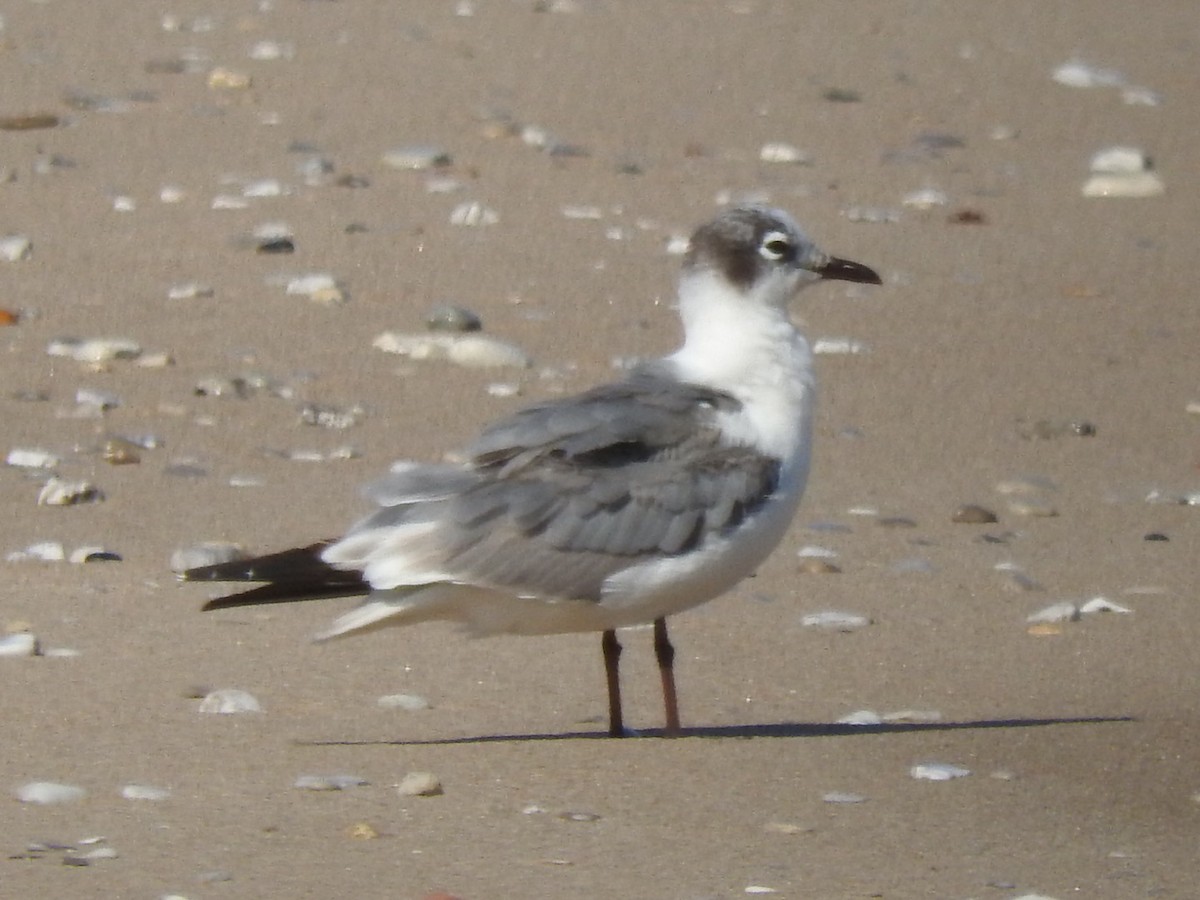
748, 347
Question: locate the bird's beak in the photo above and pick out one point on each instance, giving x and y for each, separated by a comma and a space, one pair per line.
834, 269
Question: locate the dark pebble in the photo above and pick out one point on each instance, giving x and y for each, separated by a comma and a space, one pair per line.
973, 515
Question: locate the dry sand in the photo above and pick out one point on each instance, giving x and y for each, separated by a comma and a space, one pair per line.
1055, 308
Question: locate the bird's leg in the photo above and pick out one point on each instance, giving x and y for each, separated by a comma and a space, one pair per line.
612, 660
665, 654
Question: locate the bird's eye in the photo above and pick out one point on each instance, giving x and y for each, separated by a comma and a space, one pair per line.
775, 246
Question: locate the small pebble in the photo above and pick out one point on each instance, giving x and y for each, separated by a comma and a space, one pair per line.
453, 319
120, 452
49, 792
841, 95
937, 771
29, 122
419, 784
819, 567
228, 701
971, 514
276, 246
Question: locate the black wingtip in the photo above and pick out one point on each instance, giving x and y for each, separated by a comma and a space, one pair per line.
288, 576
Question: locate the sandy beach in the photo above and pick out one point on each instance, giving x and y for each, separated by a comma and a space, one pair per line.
1032, 352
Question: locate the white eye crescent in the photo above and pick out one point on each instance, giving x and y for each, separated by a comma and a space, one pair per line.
775, 246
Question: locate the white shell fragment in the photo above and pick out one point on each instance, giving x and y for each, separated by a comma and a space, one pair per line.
861, 718
838, 346
59, 492
15, 247
1122, 171
269, 51
1120, 160
328, 782
144, 792
937, 771
1102, 605
320, 287
1078, 74
29, 458
473, 213
912, 717
833, 620
780, 152
49, 792
847, 797
94, 350
417, 157
228, 701
925, 198
189, 290
1139, 184
419, 784
42, 551
407, 702
20, 644
209, 553
470, 350
1055, 612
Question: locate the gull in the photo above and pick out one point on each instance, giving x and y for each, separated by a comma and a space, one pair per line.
616, 507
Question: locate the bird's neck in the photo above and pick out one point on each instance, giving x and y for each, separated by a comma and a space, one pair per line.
750, 349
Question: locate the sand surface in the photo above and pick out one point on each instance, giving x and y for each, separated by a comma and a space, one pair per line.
1054, 309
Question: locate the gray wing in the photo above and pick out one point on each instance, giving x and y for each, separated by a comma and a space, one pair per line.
564, 494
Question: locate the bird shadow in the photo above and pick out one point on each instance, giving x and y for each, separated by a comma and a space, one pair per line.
742, 732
